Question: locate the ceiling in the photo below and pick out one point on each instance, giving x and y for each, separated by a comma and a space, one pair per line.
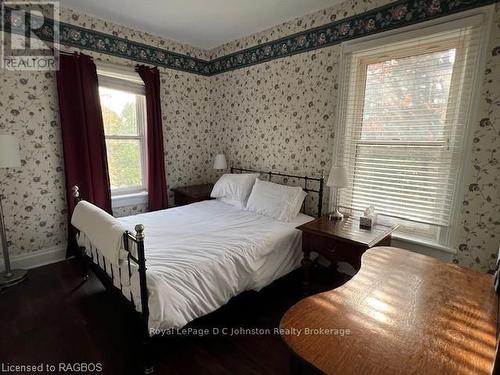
200, 23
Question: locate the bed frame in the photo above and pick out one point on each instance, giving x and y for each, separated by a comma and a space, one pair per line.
130, 240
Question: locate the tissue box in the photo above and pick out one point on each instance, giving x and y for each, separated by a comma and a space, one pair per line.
366, 222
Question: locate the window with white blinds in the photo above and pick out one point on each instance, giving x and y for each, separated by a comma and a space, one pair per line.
405, 110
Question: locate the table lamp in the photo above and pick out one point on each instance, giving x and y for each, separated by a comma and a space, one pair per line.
220, 162
337, 179
9, 158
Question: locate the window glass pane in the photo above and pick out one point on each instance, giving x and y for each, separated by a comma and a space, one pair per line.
406, 98
119, 112
124, 162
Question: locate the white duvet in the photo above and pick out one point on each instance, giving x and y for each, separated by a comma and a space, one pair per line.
200, 255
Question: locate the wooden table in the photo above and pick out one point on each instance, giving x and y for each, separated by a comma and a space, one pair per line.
406, 313
340, 241
190, 194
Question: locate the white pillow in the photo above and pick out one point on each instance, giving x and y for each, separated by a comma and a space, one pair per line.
234, 189
278, 201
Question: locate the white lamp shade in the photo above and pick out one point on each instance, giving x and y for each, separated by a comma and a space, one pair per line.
337, 177
9, 152
220, 162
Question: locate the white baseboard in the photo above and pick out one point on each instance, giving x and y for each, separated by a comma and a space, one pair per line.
36, 258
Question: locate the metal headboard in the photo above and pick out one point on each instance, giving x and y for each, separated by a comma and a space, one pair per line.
307, 180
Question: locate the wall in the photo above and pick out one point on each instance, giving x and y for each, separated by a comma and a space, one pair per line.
281, 115
479, 239
35, 203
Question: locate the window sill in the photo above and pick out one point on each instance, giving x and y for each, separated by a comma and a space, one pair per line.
124, 200
425, 243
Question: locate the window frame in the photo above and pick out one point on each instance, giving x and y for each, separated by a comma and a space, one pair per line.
444, 240
411, 229
140, 110
129, 82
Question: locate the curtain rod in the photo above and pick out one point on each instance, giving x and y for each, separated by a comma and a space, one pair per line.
108, 64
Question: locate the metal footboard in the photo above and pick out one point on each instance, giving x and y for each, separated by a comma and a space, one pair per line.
134, 247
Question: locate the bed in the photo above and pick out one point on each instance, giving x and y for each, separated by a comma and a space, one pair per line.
201, 255
198, 257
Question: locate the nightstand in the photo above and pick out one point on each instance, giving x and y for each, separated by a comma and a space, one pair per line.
191, 194
341, 240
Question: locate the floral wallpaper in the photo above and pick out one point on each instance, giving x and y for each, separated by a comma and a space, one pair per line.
129, 210
479, 241
279, 115
275, 115
34, 197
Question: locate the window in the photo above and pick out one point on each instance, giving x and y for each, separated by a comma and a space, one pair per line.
405, 108
123, 110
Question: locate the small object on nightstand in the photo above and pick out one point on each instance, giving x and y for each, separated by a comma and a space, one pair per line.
337, 179
368, 219
340, 240
365, 222
191, 194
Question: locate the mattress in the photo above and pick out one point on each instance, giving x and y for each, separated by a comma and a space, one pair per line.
201, 255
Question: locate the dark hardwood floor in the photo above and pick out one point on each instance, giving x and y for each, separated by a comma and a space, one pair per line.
54, 317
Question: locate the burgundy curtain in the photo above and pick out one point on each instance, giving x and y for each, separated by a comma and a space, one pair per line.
157, 184
84, 144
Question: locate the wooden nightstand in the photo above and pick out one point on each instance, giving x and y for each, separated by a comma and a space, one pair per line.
191, 194
341, 240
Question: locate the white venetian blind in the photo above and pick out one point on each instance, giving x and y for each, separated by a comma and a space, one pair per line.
404, 119
120, 79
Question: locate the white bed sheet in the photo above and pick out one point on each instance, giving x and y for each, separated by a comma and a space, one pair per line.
201, 255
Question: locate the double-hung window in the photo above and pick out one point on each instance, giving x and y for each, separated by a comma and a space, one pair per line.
123, 110
405, 109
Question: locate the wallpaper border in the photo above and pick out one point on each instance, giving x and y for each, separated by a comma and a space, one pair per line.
391, 16
398, 14
96, 41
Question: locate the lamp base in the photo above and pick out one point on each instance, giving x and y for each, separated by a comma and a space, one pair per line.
12, 278
335, 215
